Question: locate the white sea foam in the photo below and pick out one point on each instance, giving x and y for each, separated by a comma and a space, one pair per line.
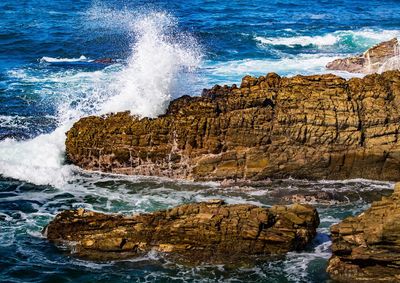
13, 121
143, 86
306, 63
297, 263
39, 161
391, 64
229, 72
328, 39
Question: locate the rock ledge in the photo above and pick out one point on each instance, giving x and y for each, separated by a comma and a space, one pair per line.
314, 127
210, 232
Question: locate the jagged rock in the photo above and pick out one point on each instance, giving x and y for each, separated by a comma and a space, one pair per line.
382, 57
208, 232
315, 127
367, 247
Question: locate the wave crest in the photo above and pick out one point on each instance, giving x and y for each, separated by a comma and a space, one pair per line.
354, 39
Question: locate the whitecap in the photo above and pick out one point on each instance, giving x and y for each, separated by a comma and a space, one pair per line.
46, 59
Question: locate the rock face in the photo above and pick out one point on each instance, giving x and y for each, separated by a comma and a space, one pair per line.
382, 57
367, 247
210, 232
306, 127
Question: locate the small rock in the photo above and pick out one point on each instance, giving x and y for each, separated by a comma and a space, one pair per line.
379, 58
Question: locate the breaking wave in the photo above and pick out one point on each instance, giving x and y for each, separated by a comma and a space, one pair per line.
346, 39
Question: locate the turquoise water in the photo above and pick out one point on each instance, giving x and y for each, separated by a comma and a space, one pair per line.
161, 50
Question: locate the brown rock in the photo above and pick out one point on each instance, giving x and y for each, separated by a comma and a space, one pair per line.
104, 61
315, 127
381, 57
210, 232
367, 247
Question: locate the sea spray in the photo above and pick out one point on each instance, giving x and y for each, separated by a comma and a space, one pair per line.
159, 55
145, 86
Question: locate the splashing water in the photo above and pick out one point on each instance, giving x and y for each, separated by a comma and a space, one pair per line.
144, 86
392, 63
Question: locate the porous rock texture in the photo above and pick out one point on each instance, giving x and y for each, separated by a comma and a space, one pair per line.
314, 127
207, 232
366, 248
382, 57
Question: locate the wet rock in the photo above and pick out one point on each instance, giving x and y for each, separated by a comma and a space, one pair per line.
314, 127
328, 197
104, 61
312, 198
208, 232
382, 57
367, 247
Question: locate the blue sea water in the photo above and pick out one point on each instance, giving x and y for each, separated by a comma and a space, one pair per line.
161, 50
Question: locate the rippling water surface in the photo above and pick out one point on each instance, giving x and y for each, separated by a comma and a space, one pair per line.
161, 50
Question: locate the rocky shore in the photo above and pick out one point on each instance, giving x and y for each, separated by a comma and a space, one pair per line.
381, 57
366, 248
316, 127
208, 232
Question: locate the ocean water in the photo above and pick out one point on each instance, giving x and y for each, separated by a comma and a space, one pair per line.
161, 50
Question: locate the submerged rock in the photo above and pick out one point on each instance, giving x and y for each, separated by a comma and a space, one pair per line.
104, 61
367, 247
209, 232
382, 57
314, 127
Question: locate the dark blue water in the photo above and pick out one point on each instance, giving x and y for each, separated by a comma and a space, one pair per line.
160, 50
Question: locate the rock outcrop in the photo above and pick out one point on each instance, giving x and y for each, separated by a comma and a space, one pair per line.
313, 127
366, 248
382, 57
208, 232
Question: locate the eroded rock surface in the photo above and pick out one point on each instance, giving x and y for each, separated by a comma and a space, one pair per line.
382, 57
366, 248
311, 127
210, 232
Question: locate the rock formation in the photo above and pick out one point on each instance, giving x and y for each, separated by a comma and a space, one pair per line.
382, 57
313, 127
367, 247
210, 232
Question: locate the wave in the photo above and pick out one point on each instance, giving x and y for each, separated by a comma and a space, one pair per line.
159, 55
228, 72
328, 39
39, 161
359, 38
46, 59
13, 122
